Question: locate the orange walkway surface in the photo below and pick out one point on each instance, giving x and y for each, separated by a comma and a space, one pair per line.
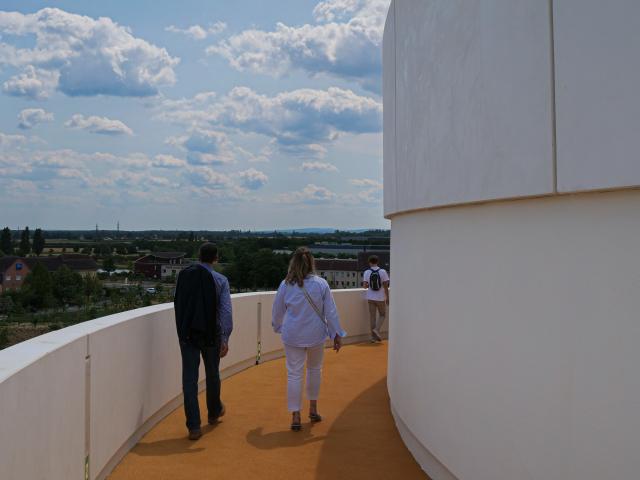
357, 438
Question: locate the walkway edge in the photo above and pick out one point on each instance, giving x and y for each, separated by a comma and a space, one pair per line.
427, 460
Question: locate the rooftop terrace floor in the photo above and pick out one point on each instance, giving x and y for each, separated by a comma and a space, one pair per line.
357, 438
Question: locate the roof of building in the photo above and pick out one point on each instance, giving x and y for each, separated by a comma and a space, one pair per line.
337, 264
7, 261
75, 262
383, 260
168, 255
349, 246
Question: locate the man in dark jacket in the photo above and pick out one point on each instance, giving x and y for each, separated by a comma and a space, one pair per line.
204, 323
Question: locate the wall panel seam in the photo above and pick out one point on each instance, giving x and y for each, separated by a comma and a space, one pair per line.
395, 108
554, 131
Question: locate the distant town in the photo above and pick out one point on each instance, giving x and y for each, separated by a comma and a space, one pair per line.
55, 278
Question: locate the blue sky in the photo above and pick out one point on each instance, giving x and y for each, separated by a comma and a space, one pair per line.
192, 114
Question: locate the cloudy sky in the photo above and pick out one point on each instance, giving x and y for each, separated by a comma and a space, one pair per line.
197, 114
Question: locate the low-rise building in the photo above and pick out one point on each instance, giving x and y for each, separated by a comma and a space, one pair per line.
384, 260
14, 270
151, 265
339, 273
345, 248
171, 270
348, 273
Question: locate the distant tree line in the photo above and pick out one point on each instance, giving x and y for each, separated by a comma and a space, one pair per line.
25, 246
43, 289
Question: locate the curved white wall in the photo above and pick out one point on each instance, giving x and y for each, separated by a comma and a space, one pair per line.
514, 347
513, 351
507, 99
93, 389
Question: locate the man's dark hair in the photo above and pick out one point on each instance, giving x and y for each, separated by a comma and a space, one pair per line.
373, 259
208, 253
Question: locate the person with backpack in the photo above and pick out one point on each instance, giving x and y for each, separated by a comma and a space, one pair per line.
376, 281
202, 305
305, 315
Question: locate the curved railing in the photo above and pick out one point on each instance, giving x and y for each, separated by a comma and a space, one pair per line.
74, 401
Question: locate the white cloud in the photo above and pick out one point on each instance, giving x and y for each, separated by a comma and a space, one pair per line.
197, 32
30, 117
300, 122
345, 42
331, 10
209, 178
10, 141
168, 161
129, 177
370, 192
205, 147
137, 180
33, 83
311, 194
366, 183
318, 167
79, 55
253, 179
100, 125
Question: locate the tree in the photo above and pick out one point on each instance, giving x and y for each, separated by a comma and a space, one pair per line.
108, 264
103, 249
25, 242
67, 286
6, 244
4, 337
38, 287
38, 241
92, 287
6, 304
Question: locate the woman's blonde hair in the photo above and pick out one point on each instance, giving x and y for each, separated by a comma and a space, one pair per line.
300, 266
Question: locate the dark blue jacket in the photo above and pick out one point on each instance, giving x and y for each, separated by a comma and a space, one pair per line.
195, 306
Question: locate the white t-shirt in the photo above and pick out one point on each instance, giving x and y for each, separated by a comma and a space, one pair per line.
377, 295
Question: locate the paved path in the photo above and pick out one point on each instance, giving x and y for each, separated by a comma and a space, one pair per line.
356, 440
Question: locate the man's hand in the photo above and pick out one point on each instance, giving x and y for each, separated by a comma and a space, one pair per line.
386, 300
337, 343
224, 349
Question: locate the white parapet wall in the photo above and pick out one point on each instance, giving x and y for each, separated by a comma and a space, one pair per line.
514, 351
74, 401
511, 173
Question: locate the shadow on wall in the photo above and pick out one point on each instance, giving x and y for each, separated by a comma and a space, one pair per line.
361, 437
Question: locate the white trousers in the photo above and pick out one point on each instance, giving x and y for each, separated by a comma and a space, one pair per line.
295, 364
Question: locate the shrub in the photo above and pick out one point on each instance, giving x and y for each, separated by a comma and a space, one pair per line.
4, 337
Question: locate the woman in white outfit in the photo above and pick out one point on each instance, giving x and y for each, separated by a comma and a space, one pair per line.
305, 314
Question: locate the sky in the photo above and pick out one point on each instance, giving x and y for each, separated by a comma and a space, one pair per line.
197, 114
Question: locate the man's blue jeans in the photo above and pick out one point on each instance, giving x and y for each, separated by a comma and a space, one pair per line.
190, 369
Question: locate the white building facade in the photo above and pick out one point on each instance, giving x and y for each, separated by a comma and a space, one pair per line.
511, 168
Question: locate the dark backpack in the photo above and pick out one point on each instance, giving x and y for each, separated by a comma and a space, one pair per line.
374, 280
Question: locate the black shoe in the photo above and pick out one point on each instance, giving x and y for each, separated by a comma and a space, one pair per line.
315, 418
296, 425
195, 434
214, 420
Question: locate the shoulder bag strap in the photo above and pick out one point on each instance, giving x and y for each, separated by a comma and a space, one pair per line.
315, 307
